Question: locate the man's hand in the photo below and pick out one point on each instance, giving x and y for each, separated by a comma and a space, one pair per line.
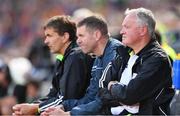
61, 107
25, 109
106, 98
111, 83
54, 111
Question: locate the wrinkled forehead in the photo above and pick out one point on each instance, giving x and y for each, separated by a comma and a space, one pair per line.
84, 29
130, 18
81, 29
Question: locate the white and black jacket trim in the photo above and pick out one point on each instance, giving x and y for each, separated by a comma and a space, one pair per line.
152, 85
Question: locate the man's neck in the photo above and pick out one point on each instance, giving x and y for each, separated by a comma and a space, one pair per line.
101, 47
138, 47
64, 48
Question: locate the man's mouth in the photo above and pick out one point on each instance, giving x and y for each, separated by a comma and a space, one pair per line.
123, 37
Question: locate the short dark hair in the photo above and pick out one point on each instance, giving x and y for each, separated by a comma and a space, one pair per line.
95, 23
62, 24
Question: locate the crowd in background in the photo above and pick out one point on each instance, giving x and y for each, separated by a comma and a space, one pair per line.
21, 20
26, 63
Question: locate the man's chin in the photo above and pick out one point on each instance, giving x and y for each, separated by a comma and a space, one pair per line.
53, 52
84, 51
124, 43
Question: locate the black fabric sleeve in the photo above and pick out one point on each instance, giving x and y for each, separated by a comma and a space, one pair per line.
153, 75
76, 75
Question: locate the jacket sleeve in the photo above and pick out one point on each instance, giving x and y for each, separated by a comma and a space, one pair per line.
56, 73
53, 92
52, 98
89, 96
110, 73
154, 74
114, 68
73, 81
76, 76
50, 102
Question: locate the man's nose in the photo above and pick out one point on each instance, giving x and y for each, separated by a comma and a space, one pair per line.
121, 31
46, 41
78, 41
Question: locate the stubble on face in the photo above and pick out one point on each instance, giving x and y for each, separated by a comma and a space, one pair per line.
52, 40
84, 39
129, 30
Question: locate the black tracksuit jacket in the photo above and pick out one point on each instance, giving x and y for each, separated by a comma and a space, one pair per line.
151, 88
70, 78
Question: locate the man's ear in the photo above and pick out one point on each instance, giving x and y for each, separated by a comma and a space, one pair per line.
66, 37
143, 30
97, 34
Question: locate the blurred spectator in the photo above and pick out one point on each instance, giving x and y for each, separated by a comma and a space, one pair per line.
7, 85
5, 80
10, 93
176, 43
19, 67
39, 54
81, 13
40, 58
32, 91
117, 36
42, 65
169, 50
6, 105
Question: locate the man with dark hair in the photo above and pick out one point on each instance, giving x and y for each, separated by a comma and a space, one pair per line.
72, 71
93, 38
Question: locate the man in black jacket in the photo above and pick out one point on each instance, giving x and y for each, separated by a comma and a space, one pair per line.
143, 80
72, 70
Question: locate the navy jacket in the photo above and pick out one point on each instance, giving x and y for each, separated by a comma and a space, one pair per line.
99, 65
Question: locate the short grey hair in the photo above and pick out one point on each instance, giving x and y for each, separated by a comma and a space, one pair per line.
144, 17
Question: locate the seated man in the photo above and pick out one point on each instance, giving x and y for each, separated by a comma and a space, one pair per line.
144, 86
72, 71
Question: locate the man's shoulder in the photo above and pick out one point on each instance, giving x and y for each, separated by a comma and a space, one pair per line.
76, 54
114, 42
155, 55
155, 52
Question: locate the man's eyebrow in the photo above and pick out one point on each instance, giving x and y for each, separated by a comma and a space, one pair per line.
47, 35
79, 34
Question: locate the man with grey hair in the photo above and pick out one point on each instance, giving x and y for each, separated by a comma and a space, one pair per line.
143, 86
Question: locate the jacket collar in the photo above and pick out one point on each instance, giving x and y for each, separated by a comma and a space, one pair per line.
147, 48
106, 48
146, 51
